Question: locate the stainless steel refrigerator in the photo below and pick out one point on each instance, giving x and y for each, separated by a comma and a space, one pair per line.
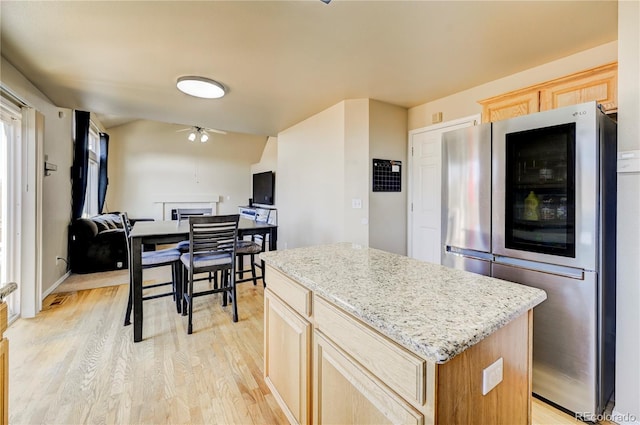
532, 200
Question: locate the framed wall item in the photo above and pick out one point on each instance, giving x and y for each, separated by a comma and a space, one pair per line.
387, 175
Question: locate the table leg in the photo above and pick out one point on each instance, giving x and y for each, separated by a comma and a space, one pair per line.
273, 239
136, 282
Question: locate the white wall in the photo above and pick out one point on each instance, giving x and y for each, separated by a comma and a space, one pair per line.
56, 188
310, 180
388, 210
151, 162
628, 244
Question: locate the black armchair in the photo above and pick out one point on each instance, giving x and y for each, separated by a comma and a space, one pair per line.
97, 244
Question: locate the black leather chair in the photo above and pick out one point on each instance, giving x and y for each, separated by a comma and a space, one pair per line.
97, 244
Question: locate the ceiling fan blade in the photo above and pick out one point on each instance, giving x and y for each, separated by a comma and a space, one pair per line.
213, 130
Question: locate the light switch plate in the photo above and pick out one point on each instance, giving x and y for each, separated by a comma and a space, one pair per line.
491, 376
356, 203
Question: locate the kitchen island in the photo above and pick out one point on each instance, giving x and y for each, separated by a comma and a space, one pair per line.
358, 335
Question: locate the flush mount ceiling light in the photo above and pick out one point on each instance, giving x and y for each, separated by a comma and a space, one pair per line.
201, 87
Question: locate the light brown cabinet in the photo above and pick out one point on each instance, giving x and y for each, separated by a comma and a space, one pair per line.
325, 366
4, 367
287, 368
599, 84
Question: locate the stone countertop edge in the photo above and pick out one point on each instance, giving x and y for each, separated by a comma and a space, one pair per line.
435, 311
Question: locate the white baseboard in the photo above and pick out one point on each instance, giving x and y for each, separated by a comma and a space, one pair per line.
55, 285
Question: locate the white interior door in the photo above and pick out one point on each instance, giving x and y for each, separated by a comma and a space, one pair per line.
425, 188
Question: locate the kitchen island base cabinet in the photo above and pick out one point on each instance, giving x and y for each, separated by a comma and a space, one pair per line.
324, 365
287, 341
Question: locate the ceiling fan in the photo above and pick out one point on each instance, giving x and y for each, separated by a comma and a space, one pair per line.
200, 133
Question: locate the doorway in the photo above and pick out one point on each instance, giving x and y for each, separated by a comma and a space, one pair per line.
425, 169
10, 175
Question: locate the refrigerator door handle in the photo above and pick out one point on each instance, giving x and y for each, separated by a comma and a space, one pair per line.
472, 253
565, 271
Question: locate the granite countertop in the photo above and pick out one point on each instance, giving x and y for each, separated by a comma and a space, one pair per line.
432, 310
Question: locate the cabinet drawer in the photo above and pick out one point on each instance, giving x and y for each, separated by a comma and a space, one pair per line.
292, 293
402, 370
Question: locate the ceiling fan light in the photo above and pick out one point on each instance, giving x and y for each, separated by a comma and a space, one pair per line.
204, 137
192, 136
201, 87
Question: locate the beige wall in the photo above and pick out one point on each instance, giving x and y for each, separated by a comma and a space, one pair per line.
269, 158
465, 103
356, 171
151, 162
324, 165
628, 281
388, 210
56, 188
310, 180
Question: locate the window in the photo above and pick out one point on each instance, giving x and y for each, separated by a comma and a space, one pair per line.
91, 198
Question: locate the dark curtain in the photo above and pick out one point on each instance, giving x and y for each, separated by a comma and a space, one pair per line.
103, 179
80, 166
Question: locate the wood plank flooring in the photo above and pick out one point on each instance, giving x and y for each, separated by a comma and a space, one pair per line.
76, 363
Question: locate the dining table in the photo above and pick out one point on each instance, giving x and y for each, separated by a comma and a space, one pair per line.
173, 231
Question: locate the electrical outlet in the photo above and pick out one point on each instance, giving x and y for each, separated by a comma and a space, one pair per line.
491, 376
58, 259
356, 203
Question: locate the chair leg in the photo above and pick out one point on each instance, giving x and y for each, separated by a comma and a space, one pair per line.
234, 302
190, 302
184, 281
224, 283
127, 315
177, 286
264, 281
253, 269
241, 265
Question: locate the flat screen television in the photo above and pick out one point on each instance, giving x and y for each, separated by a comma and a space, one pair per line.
263, 187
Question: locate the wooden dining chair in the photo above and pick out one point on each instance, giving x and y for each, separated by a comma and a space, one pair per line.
212, 248
163, 257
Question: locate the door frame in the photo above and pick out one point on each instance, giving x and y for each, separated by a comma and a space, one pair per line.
440, 127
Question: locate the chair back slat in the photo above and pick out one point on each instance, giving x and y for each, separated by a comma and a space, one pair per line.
210, 234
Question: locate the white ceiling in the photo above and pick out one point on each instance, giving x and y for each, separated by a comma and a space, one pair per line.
282, 61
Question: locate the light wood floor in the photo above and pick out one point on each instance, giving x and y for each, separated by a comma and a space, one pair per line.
76, 363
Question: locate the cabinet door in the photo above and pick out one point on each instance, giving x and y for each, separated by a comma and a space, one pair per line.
4, 375
287, 340
510, 105
345, 393
599, 84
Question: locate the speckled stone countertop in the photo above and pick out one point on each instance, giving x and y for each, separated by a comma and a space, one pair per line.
432, 310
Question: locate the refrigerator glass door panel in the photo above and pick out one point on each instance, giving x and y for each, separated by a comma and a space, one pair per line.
466, 179
564, 337
545, 177
540, 189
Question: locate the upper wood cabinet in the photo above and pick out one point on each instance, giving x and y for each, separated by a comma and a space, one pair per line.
599, 84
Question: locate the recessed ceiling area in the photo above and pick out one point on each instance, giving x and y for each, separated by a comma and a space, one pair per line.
283, 61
